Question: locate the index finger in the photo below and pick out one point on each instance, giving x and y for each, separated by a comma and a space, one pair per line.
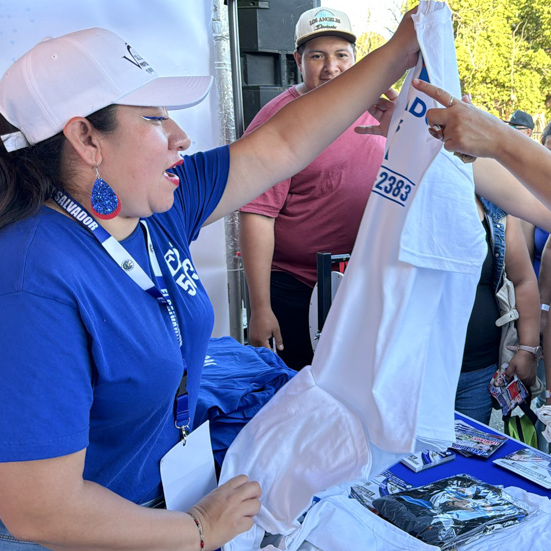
373, 130
439, 94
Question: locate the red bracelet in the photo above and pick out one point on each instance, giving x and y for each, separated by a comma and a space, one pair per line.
200, 528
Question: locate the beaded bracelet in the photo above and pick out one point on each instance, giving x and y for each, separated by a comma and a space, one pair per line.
200, 528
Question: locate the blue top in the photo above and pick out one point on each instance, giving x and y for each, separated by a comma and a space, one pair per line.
89, 359
540, 238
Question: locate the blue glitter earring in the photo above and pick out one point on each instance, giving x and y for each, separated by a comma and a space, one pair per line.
105, 202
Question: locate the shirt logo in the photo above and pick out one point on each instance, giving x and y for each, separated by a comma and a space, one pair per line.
209, 360
182, 271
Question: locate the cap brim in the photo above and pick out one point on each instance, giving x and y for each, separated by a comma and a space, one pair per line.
170, 92
329, 32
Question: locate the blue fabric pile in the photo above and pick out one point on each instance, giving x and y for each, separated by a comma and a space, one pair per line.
237, 381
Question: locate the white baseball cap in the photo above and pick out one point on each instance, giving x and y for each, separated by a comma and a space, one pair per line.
323, 21
79, 73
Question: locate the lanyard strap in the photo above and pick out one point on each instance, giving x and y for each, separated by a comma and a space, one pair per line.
159, 291
123, 258
131, 267
181, 408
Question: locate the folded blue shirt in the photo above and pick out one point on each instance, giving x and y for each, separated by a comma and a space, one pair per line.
237, 381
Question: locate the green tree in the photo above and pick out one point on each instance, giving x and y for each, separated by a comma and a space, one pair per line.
500, 56
368, 42
504, 54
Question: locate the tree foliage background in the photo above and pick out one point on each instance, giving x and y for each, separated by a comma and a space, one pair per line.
503, 54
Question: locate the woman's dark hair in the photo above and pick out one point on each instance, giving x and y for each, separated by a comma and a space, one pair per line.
29, 176
546, 133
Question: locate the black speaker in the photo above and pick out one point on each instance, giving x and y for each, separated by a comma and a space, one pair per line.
255, 97
267, 43
269, 25
269, 69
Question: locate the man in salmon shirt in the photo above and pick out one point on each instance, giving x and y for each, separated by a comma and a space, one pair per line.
318, 209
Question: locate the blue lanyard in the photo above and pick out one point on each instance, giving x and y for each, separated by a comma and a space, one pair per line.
157, 290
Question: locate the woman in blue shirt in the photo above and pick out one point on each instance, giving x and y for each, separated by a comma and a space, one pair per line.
94, 348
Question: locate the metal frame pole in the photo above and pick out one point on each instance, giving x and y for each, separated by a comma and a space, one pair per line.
236, 68
234, 267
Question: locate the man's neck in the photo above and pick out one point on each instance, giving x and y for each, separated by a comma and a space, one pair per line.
301, 88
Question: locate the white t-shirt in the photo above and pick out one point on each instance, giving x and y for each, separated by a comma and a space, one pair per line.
392, 345
387, 364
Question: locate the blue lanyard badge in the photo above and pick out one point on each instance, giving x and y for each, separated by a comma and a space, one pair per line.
124, 259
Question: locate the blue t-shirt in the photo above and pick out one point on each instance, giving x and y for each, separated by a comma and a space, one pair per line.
87, 358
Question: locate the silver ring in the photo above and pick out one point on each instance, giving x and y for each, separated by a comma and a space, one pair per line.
451, 101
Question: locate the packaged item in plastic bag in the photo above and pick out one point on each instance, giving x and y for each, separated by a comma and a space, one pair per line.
383, 484
452, 511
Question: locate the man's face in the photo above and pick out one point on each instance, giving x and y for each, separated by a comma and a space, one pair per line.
525, 130
324, 58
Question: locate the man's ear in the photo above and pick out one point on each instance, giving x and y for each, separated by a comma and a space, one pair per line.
82, 135
298, 60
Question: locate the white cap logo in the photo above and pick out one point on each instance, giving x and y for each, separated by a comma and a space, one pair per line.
136, 59
324, 19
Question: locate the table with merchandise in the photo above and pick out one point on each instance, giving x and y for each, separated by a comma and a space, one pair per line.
488, 491
483, 468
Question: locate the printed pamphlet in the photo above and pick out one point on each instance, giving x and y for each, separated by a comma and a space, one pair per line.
529, 463
469, 440
508, 394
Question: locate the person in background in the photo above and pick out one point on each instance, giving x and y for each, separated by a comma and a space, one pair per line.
544, 366
522, 121
317, 210
546, 136
537, 241
471, 131
545, 297
535, 236
544, 267
506, 253
101, 309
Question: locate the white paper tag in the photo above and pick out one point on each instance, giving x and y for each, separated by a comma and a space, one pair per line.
187, 472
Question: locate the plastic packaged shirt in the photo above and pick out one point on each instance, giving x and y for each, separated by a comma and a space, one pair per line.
452, 511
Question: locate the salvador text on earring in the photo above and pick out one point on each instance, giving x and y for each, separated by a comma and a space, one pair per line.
105, 202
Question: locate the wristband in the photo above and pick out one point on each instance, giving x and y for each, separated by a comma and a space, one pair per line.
545, 307
200, 528
537, 351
